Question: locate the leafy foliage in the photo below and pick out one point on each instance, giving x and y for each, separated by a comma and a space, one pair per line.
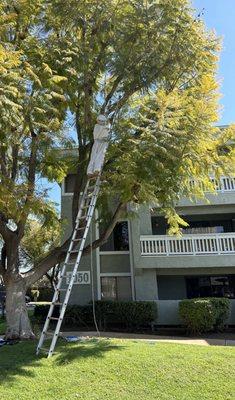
148, 66
130, 315
204, 315
40, 238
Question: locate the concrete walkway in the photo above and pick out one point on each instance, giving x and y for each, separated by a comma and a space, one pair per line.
219, 340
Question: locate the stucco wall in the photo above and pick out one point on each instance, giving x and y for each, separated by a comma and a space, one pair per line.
146, 285
219, 198
114, 263
168, 313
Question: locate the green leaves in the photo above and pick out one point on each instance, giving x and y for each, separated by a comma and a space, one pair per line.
57, 79
149, 66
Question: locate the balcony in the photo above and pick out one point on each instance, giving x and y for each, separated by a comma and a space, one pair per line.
224, 184
188, 245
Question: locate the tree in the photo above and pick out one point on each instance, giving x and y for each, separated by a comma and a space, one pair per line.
149, 66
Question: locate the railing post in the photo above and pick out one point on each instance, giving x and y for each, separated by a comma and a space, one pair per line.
193, 246
218, 244
167, 247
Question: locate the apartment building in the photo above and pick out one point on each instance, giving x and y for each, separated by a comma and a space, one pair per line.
141, 262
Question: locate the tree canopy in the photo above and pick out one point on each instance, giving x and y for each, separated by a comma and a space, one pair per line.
149, 66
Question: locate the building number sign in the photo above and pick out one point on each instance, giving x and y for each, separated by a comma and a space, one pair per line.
81, 278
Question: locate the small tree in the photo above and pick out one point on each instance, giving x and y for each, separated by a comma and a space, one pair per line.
146, 65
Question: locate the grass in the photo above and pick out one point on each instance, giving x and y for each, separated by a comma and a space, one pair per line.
118, 369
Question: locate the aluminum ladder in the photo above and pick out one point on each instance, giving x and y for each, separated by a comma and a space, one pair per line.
77, 243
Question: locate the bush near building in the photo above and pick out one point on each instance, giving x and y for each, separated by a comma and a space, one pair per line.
132, 315
203, 315
128, 315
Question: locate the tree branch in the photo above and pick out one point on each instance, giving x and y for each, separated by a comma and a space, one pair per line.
111, 93
15, 154
31, 182
6, 233
3, 162
58, 254
109, 229
42, 267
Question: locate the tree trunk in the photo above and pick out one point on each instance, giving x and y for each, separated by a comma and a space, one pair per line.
18, 324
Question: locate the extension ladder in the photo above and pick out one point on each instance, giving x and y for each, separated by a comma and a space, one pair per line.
78, 239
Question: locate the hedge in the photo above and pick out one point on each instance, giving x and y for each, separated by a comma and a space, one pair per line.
41, 311
203, 315
130, 315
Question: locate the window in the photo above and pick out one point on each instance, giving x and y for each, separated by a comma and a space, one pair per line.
119, 239
116, 288
69, 183
213, 223
211, 286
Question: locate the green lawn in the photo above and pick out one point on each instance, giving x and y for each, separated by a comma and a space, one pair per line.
118, 370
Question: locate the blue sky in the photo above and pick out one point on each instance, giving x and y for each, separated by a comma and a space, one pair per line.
220, 16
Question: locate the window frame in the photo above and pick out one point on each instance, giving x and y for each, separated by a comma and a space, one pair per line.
116, 276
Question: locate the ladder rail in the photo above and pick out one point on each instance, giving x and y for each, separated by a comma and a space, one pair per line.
88, 219
71, 282
76, 265
61, 274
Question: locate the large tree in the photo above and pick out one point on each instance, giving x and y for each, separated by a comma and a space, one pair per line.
149, 66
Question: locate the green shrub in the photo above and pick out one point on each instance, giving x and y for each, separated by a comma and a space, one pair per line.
221, 308
130, 315
203, 315
77, 315
41, 311
45, 294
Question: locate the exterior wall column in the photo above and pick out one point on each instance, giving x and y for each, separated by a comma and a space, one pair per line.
145, 280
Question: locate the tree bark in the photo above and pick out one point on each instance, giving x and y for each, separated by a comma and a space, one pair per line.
18, 324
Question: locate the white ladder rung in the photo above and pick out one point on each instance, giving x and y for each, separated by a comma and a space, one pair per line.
83, 217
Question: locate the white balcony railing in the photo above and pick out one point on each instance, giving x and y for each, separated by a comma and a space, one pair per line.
224, 184
186, 245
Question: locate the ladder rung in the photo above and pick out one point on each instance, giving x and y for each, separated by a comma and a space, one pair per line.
43, 349
61, 289
56, 303
80, 229
50, 334
54, 318
73, 251
77, 240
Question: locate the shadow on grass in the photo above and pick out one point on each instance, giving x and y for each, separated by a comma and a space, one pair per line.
20, 359
93, 348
